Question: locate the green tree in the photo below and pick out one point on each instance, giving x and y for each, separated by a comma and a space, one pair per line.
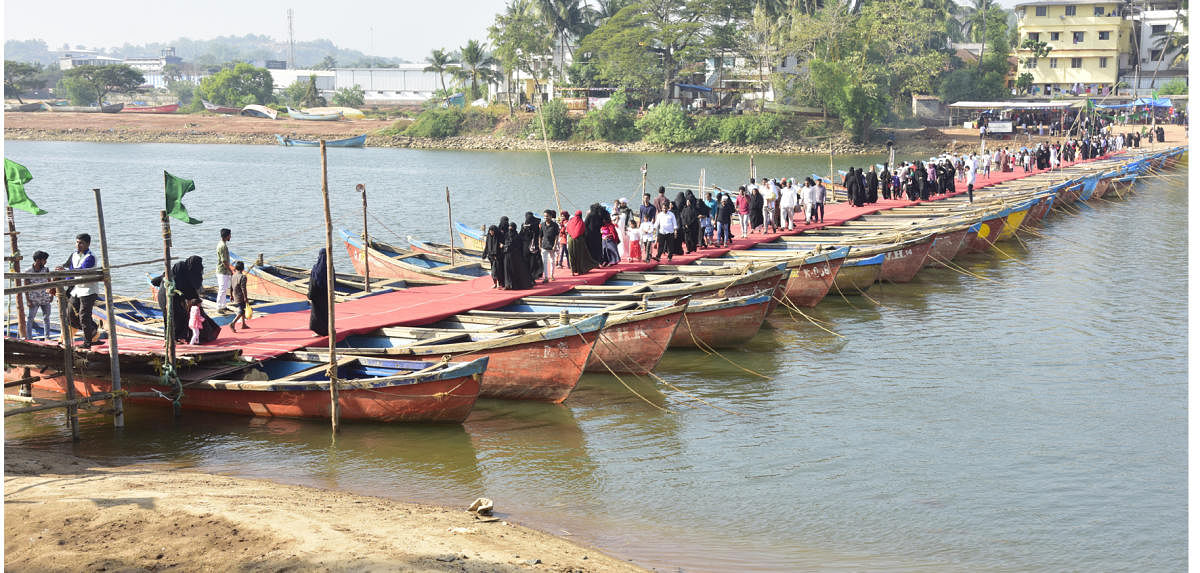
558, 123
1024, 82
18, 77
1176, 86
326, 63
650, 39
349, 97
103, 80
477, 66
760, 43
243, 84
856, 100
520, 39
1037, 51
440, 63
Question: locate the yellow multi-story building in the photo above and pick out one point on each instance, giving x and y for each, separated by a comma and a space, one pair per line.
1087, 39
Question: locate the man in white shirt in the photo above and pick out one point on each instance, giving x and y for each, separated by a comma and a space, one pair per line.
770, 197
665, 225
83, 296
787, 206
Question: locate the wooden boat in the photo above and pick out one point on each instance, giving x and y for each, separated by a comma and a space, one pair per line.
145, 318
636, 286
347, 112
946, 246
169, 108
857, 275
23, 107
82, 108
280, 283
988, 233
471, 238
723, 322
1013, 219
396, 262
436, 248
262, 111
810, 274
377, 389
635, 334
112, 108
356, 141
902, 259
543, 363
297, 114
214, 108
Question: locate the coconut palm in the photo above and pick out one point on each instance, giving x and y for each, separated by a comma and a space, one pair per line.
477, 66
1168, 42
441, 63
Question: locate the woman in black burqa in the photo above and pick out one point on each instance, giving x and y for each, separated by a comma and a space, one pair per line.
491, 253
591, 224
318, 296
189, 279
516, 261
756, 210
531, 236
690, 224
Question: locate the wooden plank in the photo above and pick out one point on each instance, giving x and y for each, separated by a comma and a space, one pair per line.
317, 369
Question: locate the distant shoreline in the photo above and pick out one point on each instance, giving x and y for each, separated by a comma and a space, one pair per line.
213, 129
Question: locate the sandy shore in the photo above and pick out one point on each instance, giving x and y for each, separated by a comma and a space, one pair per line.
63, 513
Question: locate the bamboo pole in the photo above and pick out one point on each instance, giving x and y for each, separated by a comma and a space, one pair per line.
645, 168
22, 328
68, 367
546, 141
450, 222
113, 356
366, 240
168, 327
334, 405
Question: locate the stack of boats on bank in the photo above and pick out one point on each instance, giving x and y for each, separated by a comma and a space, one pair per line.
538, 347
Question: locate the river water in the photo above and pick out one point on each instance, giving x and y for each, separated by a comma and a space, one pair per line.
1030, 416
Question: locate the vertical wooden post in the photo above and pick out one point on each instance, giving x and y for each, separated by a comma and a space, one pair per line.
22, 328
334, 405
115, 369
69, 367
546, 141
753, 169
168, 326
366, 241
450, 219
645, 168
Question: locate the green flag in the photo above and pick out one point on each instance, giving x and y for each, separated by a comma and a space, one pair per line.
176, 189
15, 178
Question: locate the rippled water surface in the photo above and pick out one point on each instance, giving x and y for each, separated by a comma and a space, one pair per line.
1028, 416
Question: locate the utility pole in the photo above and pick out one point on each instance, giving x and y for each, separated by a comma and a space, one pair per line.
291, 41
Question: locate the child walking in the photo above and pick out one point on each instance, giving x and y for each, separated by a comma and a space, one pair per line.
634, 237
240, 297
195, 320
647, 233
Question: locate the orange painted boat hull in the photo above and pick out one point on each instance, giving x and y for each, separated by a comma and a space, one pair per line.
809, 283
903, 264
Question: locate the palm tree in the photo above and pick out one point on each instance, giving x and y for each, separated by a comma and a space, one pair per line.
477, 65
1170, 41
567, 19
439, 63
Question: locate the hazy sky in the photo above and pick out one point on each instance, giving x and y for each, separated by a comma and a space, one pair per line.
406, 28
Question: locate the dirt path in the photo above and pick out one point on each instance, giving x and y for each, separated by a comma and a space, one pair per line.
66, 513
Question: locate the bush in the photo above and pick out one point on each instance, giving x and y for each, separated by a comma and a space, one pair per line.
558, 124
708, 128
613, 122
479, 120
1174, 87
667, 125
437, 123
763, 127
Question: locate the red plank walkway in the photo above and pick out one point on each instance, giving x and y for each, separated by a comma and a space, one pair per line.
277, 334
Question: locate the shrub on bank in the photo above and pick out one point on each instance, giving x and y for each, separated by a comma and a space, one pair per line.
667, 125
558, 123
436, 123
612, 122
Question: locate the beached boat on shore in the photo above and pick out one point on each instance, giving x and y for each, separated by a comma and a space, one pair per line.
169, 108
260, 111
214, 108
297, 114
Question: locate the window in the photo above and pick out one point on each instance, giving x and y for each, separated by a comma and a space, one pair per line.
1039, 11
1053, 62
1076, 62
1053, 36
1104, 62
1070, 11
1158, 28
1076, 37
1155, 55
1034, 36
1104, 35
1098, 11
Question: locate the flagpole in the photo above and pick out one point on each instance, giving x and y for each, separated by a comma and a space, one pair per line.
334, 406
113, 355
22, 328
167, 284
